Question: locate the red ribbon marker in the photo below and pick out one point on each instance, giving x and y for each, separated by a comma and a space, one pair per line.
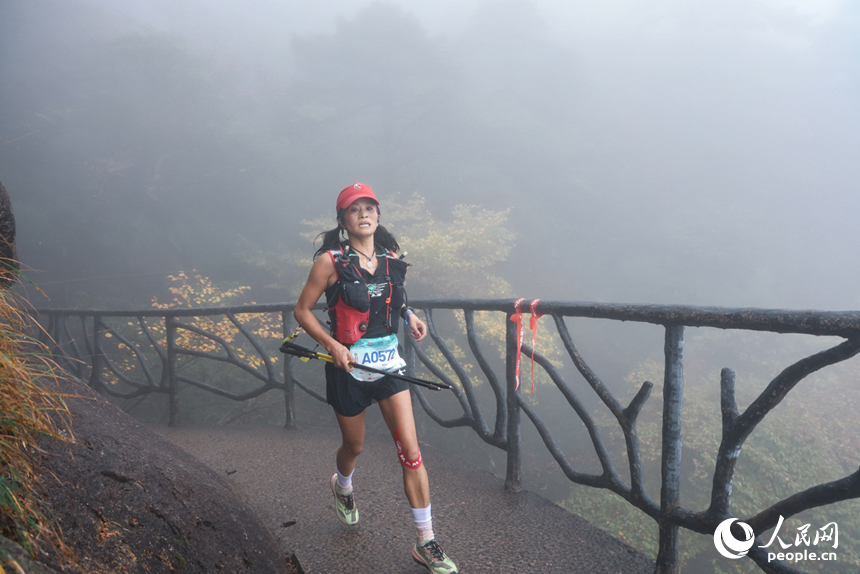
533, 325
518, 319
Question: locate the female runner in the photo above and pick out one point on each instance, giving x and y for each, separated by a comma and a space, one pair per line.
363, 283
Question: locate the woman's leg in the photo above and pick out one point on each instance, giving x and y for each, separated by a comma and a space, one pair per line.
397, 412
352, 441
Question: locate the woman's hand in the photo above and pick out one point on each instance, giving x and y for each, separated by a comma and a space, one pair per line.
341, 356
419, 329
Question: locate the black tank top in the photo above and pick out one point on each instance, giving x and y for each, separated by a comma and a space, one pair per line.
378, 289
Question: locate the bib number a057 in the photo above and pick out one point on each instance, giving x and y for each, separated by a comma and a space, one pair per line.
376, 358
380, 353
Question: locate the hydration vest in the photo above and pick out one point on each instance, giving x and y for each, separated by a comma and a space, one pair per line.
348, 299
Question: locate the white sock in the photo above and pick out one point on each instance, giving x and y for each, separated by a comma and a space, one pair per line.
344, 483
423, 523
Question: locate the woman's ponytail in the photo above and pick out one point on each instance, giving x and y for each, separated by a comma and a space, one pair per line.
385, 239
330, 240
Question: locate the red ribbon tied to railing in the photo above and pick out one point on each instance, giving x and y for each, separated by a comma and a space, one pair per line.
533, 325
517, 318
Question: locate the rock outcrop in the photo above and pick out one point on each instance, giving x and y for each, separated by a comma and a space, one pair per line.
128, 501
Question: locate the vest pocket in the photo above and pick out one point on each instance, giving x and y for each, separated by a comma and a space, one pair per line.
355, 295
398, 297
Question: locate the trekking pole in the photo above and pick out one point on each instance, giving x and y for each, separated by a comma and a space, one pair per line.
290, 348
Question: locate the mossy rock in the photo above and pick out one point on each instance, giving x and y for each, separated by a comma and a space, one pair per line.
11, 553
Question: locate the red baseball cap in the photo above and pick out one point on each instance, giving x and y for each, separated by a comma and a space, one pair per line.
352, 193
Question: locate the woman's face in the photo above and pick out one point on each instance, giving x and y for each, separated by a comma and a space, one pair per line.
360, 218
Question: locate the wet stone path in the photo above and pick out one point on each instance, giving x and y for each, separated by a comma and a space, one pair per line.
284, 476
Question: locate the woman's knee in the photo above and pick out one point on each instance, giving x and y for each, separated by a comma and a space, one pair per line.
353, 448
408, 451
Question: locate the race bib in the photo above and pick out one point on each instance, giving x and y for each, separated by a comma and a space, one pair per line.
380, 353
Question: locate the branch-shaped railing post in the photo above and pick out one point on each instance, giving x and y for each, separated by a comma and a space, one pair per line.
172, 397
500, 427
289, 385
410, 360
409, 357
670, 490
729, 451
513, 479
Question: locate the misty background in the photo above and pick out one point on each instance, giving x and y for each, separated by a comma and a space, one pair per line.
673, 152
669, 152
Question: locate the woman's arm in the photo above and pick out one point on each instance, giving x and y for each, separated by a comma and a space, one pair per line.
323, 274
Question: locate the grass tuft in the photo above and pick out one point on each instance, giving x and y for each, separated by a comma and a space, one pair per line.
31, 410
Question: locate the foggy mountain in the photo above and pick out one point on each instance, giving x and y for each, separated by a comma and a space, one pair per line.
668, 153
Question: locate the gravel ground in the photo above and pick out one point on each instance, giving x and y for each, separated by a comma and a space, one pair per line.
284, 476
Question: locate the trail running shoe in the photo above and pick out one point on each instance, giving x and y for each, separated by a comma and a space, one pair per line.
430, 556
344, 504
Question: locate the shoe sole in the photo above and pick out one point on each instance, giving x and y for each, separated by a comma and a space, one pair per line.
417, 560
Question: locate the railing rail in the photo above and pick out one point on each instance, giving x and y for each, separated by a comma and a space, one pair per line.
85, 354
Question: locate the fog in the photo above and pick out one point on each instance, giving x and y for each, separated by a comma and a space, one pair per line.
662, 152
701, 153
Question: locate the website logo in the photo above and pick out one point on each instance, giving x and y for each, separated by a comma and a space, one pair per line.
799, 551
728, 545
